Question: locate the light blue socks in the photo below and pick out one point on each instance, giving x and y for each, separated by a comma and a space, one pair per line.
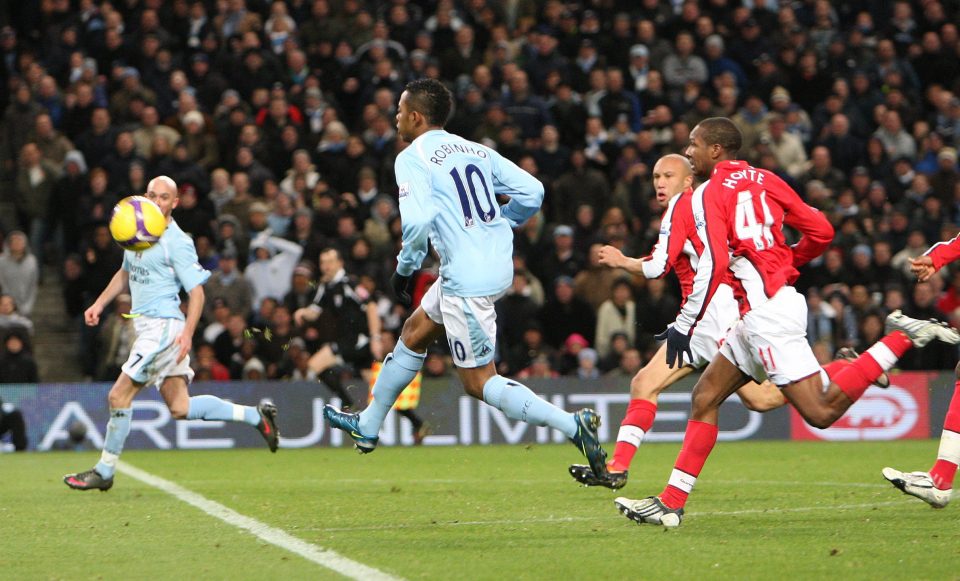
212, 408
202, 407
118, 428
399, 369
519, 403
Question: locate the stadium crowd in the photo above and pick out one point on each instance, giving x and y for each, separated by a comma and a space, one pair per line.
276, 119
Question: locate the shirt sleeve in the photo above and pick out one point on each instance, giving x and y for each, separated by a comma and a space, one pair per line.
944, 252
669, 244
187, 266
417, 212
816, 231
710, 221
524, 190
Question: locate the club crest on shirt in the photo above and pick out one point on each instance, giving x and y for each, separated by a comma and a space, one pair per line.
404, 190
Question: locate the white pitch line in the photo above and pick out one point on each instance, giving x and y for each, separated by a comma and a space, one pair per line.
323, 557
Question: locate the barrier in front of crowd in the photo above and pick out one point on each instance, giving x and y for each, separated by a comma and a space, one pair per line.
913, 407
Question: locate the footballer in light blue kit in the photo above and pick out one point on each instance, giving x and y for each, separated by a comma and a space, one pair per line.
160, 352
448, 189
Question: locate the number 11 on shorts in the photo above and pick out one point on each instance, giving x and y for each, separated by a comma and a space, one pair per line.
766, 357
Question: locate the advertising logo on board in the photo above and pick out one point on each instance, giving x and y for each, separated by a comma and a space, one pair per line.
898, 412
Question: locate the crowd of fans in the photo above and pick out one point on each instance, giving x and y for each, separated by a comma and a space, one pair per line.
276, 119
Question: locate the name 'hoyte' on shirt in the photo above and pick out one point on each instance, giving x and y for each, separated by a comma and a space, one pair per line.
447, 149
751, 174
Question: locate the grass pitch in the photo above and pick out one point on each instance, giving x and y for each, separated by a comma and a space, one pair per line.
762, 510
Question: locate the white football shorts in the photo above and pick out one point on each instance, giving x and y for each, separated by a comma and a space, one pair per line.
470, 323
722, 313
770, 341
153, 357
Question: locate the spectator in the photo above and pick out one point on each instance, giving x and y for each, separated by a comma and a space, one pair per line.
216, 322
16, 362
630, 363
514, 309
616, 314
19, 272
230, 286
36, 179
683, 66
11, 421
10, 317
785, 147
562, 259
52, 144
578, 185
587, 368
595, 283
895, 140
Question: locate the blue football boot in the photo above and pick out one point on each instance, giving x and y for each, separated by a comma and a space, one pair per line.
588, 442
350, 423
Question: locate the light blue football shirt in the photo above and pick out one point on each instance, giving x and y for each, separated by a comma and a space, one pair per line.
448, 188
157, 273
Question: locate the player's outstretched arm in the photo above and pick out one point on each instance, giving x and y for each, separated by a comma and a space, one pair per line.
613, 258
933, 259
117, 285
524, 190
815, 230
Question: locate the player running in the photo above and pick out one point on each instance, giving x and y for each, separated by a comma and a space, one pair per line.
159, 355
742, 210
448, 188
935, 487
679, 247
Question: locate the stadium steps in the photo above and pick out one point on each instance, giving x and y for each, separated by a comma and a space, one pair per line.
56, 338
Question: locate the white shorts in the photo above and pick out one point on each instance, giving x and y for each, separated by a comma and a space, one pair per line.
722, 313
470, 322
153, 357
771, 341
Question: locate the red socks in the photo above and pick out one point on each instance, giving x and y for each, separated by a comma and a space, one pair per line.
864, 370
635, 425
948, 455
698, 442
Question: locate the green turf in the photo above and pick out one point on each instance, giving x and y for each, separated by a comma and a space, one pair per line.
762, 510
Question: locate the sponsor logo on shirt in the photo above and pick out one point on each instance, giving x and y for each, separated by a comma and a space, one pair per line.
404, 189
699, 221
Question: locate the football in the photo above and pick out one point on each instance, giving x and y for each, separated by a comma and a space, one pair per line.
137, 223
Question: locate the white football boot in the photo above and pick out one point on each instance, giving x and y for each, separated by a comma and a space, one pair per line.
918, 484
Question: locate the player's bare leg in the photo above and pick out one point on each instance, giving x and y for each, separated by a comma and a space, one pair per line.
399, 369
720, 379
761, 397
821, 408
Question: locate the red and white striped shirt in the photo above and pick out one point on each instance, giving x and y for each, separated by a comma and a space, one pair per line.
681, 247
